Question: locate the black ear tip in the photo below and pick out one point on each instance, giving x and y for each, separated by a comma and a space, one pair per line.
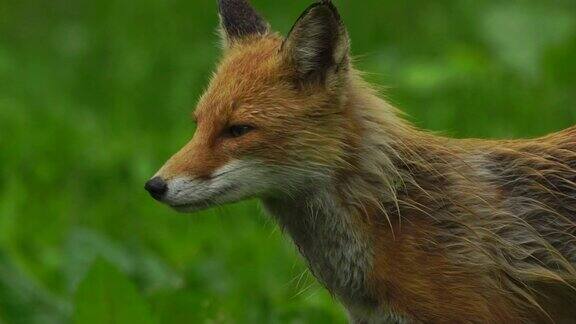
233, 4
223, 3
239, 19
328, 3
320, 5
227, 3
324, 4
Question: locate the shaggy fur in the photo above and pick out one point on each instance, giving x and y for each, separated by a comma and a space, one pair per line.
399, 224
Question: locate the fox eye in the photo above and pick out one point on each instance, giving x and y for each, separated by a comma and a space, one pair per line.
236, 131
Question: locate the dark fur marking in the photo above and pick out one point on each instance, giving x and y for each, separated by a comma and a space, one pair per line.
239, 19
321, 27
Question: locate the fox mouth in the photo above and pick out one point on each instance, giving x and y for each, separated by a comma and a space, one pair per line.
189, 208
203, 203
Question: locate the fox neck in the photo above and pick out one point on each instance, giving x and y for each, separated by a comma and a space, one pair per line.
327, 220
338, 252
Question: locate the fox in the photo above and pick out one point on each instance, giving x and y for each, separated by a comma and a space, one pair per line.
399, 224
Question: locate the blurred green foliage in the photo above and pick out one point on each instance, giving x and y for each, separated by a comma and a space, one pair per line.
105, 296
95, 95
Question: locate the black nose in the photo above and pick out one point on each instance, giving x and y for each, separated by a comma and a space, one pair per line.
157, 188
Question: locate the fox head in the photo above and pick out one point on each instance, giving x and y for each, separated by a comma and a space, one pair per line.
273, 120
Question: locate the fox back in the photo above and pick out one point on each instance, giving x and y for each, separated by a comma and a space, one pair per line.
399, 224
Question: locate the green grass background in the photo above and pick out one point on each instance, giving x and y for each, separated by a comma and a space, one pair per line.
95, 95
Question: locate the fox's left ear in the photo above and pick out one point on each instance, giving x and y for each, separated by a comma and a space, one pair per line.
318, 44
239, 20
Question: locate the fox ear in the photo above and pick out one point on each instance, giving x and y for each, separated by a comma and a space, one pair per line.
238, 20
318, 44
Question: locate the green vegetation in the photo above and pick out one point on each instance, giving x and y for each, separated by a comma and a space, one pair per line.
95, 95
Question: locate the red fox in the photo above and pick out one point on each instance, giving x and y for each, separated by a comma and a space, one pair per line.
398, 224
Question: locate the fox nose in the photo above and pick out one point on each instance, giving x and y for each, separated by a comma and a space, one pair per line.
157, 188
